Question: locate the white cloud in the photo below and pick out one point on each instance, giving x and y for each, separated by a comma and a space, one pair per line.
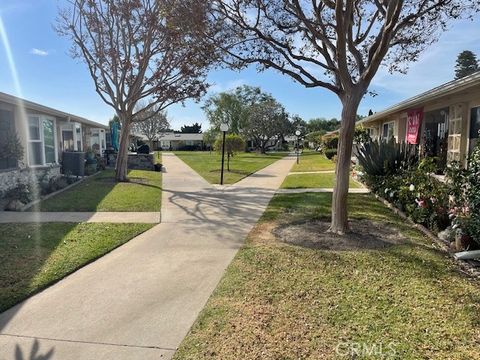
38, 52
228, 86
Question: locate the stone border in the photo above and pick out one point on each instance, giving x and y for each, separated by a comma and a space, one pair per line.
465, 267
48, 196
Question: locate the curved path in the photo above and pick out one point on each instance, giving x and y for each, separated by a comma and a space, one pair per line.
139, 301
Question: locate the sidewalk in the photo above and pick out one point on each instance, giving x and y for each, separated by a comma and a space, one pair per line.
139, 301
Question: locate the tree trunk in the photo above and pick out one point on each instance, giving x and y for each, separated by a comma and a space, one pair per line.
122, 156
350, 103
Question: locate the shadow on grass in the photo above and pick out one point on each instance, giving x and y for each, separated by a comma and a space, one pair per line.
89, 195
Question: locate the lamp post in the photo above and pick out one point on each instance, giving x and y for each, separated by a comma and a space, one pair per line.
298, 145
224, 129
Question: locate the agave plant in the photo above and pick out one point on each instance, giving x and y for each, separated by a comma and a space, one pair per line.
383, 157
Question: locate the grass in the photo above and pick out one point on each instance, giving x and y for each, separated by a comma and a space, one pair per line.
102, 193
208, 164
313, 161
278, 301
302, 181
33, 256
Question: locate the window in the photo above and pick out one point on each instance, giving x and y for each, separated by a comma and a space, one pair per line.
388, 130
7, 129
78, 136
455, 133
41, 140
67, 140
474, 128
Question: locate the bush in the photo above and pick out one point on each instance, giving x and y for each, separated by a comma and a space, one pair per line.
465, 196
22, 192
331, 143
415, 192
330, 153
384, 157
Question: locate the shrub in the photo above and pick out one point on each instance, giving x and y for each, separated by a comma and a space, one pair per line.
465, 195
330, 153
384, 157
412, 190
21, 192
331, 143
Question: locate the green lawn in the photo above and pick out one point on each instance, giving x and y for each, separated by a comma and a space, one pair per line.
102, 193
313, 161
208, 164
279, 301
33, 256
301, 181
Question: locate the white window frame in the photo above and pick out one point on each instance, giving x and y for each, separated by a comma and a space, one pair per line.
392, 123
75, 138
73, 126
41, 119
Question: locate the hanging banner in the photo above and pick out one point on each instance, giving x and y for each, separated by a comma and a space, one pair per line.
414, 121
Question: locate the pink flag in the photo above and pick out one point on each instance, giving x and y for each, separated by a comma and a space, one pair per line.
414, 120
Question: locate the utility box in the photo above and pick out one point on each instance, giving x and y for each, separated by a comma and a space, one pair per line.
73, 163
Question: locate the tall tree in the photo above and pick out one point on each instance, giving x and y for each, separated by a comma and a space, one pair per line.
467, 64
154, 124
338, 45
322, 124
267, 124
195, 128
224, 108
140, 49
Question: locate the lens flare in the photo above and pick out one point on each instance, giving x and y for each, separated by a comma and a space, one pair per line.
21, 113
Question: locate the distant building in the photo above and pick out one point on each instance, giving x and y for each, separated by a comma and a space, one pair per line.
175, 141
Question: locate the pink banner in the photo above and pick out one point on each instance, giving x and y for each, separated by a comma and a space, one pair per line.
414, 120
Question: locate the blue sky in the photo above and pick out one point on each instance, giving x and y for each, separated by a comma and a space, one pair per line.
48, 75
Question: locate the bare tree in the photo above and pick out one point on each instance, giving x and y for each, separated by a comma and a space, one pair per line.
337, 45
151, 125
140, 49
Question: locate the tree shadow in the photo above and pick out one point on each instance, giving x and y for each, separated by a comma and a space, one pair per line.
34, 353
88, 195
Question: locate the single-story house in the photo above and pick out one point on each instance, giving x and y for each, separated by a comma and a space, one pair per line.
443, 121
44, 133
179, 141
174, 141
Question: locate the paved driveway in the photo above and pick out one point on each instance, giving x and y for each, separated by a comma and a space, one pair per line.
139, 301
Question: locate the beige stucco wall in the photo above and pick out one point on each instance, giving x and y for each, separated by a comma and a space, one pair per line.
468, 99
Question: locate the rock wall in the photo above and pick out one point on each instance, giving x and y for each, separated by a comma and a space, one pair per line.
141, 161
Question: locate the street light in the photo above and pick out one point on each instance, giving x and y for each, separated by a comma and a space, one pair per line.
224, 129
298, 145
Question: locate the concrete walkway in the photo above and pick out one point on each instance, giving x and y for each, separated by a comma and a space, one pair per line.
77, 217
139, 301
